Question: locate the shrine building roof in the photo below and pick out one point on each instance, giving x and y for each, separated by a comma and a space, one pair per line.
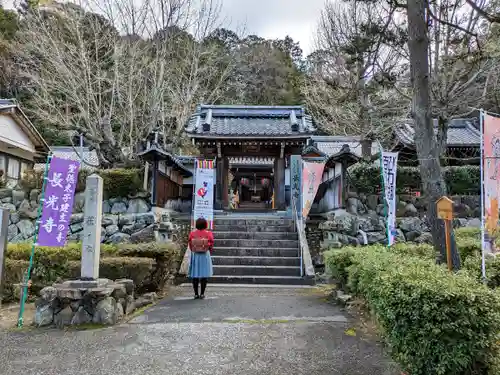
240, 121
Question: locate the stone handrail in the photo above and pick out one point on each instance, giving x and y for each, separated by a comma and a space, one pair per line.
306, 265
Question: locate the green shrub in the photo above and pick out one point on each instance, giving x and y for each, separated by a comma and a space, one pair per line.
468, 233
119, 182
155, 263
434, 321
459, 180
338, 261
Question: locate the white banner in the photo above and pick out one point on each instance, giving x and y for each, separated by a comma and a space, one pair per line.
204, 192
389, 170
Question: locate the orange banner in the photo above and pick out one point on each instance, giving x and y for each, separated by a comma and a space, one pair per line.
491, 176
311, 179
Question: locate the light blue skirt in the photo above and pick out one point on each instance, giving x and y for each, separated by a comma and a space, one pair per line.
200, 265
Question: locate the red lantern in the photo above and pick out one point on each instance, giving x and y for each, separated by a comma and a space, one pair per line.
265, 182
244, 181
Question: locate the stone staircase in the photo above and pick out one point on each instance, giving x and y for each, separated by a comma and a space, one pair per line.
256, 250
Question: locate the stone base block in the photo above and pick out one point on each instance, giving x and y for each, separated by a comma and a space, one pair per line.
76, 302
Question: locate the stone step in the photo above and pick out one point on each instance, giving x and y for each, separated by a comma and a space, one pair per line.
253, 221
253, 228
257, 235
256, 270
255, 251
256, 261
256, 243
267, 280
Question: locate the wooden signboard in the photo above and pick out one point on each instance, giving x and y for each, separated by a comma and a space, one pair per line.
445, 212
445, 208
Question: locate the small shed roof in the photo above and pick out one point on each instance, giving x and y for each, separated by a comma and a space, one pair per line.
223, 121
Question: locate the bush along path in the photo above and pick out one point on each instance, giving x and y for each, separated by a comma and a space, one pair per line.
434, 321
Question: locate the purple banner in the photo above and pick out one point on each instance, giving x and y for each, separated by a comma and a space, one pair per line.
58, 203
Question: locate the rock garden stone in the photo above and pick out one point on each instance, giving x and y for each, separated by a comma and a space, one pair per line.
118, 208
12, 232
8, 206
112, 229
137, 206
48, 294
64, 317
133, 228
411, 224
129, 305
6, 200
410, 210
424, 238
5, 193
129, 285
119, 238
474, 223
26, 211
126, 219
146, 218
75, 228
100, 292
76, 218
119, 312
372, 201
376, 237
26, 228
119, 291
109, 220
79, 202
105, 311
44, 316
34, 194
69, 293
15, 217
106, 207
17, 197
81, 317
144, 235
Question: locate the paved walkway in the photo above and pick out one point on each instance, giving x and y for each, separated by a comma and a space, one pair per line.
262, 331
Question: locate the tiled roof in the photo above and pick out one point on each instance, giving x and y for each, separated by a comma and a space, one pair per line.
461, 133
331, 145
241, 121
91, 161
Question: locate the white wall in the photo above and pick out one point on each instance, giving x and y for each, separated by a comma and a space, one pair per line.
14, 140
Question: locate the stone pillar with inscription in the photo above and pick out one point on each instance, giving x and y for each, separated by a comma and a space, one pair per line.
91, 247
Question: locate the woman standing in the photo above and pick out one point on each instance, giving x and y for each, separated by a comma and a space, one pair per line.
201, 243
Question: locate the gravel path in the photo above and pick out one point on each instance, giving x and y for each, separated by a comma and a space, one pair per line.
235, 330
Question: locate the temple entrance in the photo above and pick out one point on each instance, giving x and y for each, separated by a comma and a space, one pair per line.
251, 188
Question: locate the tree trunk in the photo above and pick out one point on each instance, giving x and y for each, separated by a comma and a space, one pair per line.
425, 139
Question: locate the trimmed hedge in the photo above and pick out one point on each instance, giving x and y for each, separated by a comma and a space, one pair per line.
119, 182
148, 264
434, 321
459, 179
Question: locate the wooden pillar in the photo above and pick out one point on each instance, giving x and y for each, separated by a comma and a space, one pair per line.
225, 184
279, 183
344, 195
218, 186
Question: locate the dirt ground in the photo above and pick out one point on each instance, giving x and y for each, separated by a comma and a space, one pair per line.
10, 312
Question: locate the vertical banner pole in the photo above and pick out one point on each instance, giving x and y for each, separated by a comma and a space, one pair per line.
386, 217
24, 286
481, 145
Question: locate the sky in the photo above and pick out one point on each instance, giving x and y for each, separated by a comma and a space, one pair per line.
270, 18
276, 18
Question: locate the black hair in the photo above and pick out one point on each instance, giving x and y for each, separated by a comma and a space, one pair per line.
201, 224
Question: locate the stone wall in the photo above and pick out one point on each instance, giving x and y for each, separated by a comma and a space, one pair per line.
362, 221
125, 219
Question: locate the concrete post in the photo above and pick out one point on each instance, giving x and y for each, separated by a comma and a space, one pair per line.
91, 247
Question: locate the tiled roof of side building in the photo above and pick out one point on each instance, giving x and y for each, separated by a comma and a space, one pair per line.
331, 145
461, 133
250, 121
